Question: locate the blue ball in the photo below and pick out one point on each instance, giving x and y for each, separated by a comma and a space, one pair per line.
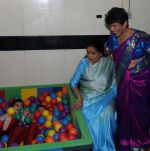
5, 138
41, 120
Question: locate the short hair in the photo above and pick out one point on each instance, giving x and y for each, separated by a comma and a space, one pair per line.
95, 45
116, 15
15, 101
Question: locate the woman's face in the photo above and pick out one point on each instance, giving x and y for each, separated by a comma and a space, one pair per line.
17, 106
93, 54
118, 29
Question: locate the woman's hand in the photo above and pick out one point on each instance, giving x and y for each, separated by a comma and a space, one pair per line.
78, 105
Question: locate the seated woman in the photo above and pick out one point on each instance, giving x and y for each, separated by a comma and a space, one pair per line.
96, 95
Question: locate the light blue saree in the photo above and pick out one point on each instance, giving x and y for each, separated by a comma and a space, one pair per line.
98, 89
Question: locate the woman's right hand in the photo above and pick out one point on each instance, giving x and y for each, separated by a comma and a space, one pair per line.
78, 105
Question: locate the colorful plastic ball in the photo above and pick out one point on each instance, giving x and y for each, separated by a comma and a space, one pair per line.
51, 133
3, 105
48, 105
34, 141
41, 120
40, 138
2, 145
62, 130
1, 112
63, 114
41, 98
55, 136
45, 113
54, 102
64, 89
65, 101
32, 98
55, 118
45, 94
55, 122
53, 95
61, 108
5, 138
62, 137
49, 117
57, 127
49, 139
69, 126
48, 99
27, 120
1, 100
64, 122
56, 113
11, 111
69, 118
18, 116
48, 124
73, 131
37, 114
71, 136
59, 93
59, 99
27, 102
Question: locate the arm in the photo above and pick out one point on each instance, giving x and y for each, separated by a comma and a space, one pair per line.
6, 122
79, 101
74, 83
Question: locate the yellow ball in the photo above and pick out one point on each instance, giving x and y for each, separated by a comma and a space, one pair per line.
59, 99
48, 99
45, 113
11, 111
48, 124
57, 127
49, 117
51, 133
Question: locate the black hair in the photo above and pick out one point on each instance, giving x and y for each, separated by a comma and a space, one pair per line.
116, 15
15, 101
96, 45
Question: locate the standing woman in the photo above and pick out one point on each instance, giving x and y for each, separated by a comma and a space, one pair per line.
95, 95
131, 53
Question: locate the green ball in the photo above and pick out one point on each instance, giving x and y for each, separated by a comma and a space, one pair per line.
18, 116
65, 101
27, 120
69, 118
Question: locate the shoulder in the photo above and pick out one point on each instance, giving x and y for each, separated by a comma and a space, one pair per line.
108, 60
84, 61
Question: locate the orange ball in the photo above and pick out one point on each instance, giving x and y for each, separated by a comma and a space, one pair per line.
49, 139
55, 123
27, 102
73, 131
59, 94
64, 89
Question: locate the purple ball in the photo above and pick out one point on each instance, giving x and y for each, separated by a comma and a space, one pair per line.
2, 145
63, 114
63, 130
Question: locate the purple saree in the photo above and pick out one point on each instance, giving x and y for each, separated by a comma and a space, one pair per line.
133, 97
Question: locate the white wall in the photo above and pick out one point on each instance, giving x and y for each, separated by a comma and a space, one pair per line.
55, 17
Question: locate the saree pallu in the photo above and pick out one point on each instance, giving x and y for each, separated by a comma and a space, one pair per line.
133, 97
98, 89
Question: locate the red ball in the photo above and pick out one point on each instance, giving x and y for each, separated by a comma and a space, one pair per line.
37, 114
41, 98
3, 105
71, 136
73, 131
54, 101
48, 105
45, 94
62, 137
61, 108
69, 126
